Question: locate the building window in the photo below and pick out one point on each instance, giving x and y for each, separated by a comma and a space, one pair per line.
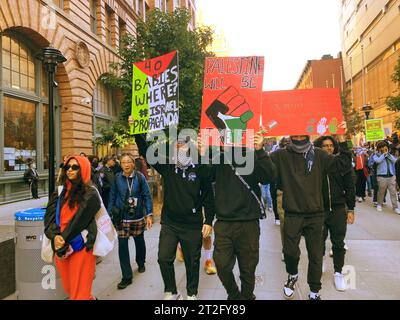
23, 92
122, 31
106, 110
93, 19
59, 3
18, 66
19, 116
108, 25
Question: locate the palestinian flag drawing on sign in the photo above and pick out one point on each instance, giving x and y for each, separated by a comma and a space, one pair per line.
155, 94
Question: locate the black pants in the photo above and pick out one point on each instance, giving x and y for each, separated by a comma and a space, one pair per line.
237, 240
336, 225
191, 242
361, 183
124, 259
34, 189
274, 197
310, 226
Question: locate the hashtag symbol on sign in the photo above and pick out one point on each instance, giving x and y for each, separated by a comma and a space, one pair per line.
143, 113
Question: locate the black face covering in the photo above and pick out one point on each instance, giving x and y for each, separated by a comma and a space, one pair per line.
301, 142
306, 148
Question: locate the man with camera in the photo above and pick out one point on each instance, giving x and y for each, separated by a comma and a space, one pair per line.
129, 199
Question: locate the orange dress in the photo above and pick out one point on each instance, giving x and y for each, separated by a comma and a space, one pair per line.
77, 270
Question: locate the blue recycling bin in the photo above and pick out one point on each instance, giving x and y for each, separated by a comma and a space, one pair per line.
35, 279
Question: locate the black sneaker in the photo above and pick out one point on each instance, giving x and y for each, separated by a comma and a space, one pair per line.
289, 287
317, 297
124, 283
142, 269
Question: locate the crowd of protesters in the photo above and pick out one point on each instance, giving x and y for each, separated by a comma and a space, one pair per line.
312, 188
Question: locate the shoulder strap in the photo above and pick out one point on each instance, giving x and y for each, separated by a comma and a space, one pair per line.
262, 208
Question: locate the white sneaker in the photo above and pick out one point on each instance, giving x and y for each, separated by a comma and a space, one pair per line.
193, 297
360, 199
340, 284
379, 208
397, 210
171, 296
289, 287
331, 253
277, 222
346, 247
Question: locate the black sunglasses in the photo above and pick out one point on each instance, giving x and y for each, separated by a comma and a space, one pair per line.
74, 167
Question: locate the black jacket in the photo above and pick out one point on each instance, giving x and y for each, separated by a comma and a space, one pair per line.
339, 189
303, 193
31, 175
108, 176
84, 218
184, 197
233, 200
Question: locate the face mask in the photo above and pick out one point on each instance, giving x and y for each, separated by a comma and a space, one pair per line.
301, 142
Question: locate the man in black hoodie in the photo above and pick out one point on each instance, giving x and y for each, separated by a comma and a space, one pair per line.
301, 169
339, 201
238, 211
187, 189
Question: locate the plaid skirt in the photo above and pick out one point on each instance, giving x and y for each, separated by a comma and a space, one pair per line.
129, 229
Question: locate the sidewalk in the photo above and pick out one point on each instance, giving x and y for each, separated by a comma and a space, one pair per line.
374, 252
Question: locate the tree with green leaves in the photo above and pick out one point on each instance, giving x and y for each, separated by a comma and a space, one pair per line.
393, 102
354, 121
161, 33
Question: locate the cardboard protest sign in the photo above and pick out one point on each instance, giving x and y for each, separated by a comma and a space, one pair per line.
232, 96
374, 130
155, 93
302, 112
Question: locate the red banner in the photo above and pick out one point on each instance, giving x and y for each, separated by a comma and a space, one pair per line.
302, 112
232, 98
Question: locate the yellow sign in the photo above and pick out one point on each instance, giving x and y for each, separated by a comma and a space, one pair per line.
374, 130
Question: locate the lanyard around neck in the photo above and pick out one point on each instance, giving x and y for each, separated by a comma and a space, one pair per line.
130, 187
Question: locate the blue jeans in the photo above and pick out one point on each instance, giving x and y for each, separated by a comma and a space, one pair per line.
266, 195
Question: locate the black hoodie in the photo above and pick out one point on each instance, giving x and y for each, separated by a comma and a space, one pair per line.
338, 188
302, 193
233, 200
184, 197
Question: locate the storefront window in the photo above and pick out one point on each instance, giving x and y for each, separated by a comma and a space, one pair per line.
19, 146
24, 96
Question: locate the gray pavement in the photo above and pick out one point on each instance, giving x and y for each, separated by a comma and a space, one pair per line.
374, 255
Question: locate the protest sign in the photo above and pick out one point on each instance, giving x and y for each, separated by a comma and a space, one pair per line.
374, 130
302, 112
232, 96
155, 94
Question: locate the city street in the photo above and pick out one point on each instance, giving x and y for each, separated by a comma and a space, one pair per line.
374, 252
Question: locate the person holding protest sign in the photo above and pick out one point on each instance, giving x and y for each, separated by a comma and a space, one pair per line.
187, 189
238, 211
301, 170
339, 194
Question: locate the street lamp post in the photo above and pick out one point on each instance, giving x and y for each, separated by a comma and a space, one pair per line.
50, 58
367, 110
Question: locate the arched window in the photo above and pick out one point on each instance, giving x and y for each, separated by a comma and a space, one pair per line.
106, 110
23, 105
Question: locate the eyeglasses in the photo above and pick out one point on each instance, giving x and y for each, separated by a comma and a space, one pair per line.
74, 167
